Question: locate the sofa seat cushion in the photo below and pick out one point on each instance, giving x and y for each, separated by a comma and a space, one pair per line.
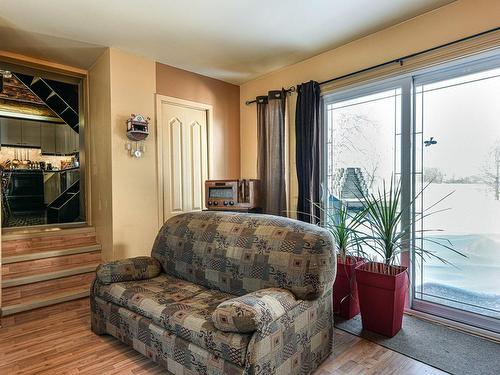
181, 307
148, 297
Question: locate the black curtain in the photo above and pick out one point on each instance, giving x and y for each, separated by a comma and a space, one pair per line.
307, 133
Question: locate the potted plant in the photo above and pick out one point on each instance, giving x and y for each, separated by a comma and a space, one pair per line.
344, 228
383, 287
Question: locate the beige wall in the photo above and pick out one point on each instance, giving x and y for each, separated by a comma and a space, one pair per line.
135, 215
224, 97
99, 133
123, 196
449, 23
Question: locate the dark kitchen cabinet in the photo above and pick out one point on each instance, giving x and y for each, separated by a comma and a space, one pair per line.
17, 132
11, 131
62, 132
30, 133
51, 138
67, 141
48, 138
25, 191
73, 144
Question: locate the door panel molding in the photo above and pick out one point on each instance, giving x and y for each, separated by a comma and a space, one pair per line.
206, 150
176, 165
198, 158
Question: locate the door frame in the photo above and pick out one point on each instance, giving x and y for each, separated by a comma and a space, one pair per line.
79, 77
208, 108
461, 319
476, 322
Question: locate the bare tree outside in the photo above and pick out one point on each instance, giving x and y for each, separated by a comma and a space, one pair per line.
434, 175
491, 170
352, 135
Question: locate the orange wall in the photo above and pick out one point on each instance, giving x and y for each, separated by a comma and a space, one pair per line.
224, 97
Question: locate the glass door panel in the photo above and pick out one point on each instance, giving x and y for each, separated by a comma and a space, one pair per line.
457, 138
363, 142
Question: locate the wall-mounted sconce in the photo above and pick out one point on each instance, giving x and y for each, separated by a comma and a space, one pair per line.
137, 131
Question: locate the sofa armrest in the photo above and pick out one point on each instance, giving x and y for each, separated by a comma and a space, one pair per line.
296, 342
139, 268
253, 310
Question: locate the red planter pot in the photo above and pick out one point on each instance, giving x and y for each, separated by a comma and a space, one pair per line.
345, 291
382, 293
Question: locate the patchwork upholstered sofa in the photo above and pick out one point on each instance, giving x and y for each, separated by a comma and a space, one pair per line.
224, 293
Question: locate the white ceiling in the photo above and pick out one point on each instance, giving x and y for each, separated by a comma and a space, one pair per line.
232, 40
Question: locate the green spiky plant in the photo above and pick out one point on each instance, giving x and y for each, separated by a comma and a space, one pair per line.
344, 228
383, 216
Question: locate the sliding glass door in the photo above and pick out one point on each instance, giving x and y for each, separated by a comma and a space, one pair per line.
457, 132
437, 132
364, 135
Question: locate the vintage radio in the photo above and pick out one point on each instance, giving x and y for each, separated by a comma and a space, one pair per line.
234, 195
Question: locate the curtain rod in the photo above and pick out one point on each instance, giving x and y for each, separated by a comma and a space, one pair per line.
288, 90
399, 60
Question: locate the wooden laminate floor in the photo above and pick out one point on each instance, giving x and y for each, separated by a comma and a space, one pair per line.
57, 340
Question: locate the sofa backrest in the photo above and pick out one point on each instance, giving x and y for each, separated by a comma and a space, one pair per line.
240, 253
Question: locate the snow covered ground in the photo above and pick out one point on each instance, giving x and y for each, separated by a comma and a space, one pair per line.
472, 225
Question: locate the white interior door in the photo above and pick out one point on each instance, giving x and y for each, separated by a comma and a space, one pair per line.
184, 156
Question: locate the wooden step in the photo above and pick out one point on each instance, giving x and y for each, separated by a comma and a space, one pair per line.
48, 265
50, 254
45, 301
26, 293
7, 283
56, 241
22, 234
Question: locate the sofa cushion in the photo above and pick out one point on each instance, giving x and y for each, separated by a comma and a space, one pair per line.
148, 297
181, 307
138, 268
250, 312
240, 253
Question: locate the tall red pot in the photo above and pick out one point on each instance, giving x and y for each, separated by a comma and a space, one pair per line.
382, 293
345, 291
